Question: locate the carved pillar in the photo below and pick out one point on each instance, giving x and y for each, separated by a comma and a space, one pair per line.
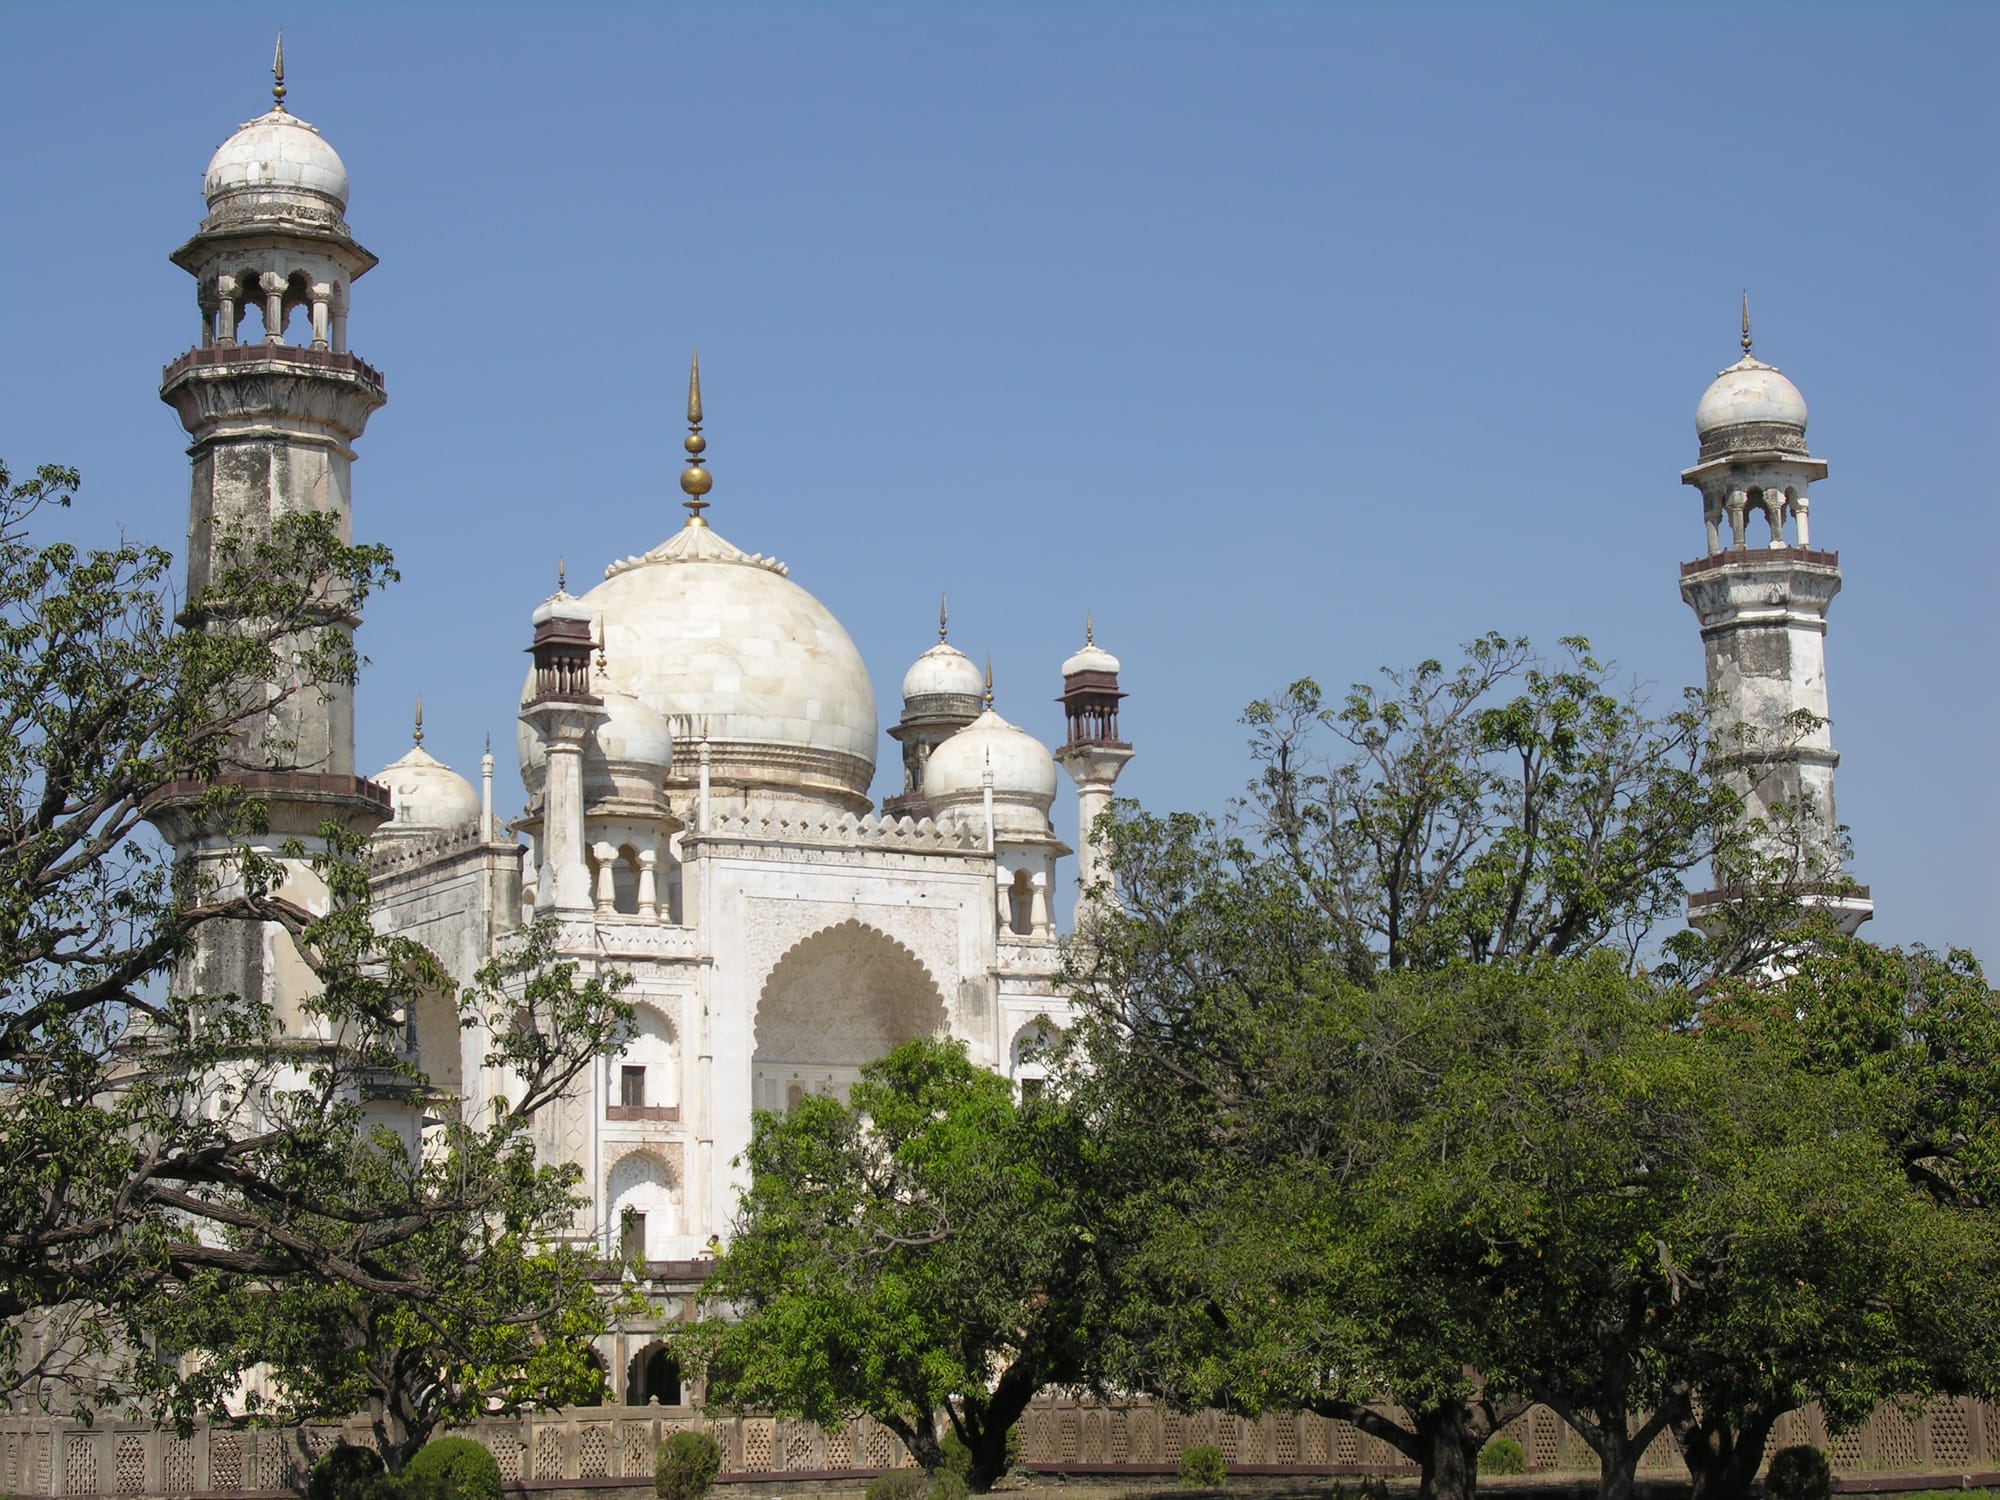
1739, 502
649, 900
1003, 896
607, 878
225, 327
273, 287
1038, 908
321, 294
1799, 510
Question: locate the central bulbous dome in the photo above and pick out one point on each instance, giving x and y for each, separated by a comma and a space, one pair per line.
271, 159
723, 645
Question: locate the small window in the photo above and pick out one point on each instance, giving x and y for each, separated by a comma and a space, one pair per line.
632, 1087
794, 1094
632, 1236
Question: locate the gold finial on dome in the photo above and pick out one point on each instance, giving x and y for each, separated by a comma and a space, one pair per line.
278, 74
1746, 322
944, 616
417, 734
989, 679
1089, 630
562, 576
696, 481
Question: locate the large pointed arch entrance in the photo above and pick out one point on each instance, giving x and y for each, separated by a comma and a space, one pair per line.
837, 1000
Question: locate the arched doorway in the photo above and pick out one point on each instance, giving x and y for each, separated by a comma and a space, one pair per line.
653, 1375
839, 999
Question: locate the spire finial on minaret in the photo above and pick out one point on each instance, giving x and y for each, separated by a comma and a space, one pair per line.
1089, 630
562, 576
989, 679
944, 616
1746, 322
696, 481
278, 74
417, 734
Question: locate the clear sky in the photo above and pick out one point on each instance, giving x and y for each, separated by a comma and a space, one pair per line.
1286, 339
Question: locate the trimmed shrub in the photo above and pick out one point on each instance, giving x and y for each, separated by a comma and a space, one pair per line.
1799, 1472
686, 1466
345, 1472
451, 1468
946, 1485
1503, 1456
897, 1484
1203, 1467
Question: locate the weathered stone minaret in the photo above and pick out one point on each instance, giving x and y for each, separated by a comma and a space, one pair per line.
1093, 754
1762, 601
272, 423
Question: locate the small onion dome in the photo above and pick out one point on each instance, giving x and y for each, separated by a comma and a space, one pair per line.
632, 751
943, 671
561, 605
425, 793
1024, 775
270, 159
1751, 405
1092, 658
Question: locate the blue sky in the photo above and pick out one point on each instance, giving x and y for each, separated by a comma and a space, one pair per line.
1286, 339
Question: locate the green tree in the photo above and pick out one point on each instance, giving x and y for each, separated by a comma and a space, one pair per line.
479, 1302
1281, 998
922, 1248
168, 1146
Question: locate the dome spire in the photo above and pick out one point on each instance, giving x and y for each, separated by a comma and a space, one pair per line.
944, 616
1746, 322
989, 679
278, 74
695, 480
1089, 630
417, 732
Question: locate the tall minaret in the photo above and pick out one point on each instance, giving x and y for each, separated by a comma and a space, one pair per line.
1762, 601
1093, 754
272, 423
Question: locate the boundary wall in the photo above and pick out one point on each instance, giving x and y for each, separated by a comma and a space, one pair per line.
612, 1447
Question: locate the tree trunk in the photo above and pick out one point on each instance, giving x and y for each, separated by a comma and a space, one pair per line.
1611, 1437
1450, 1438
1723, 1458
921, 1439
983, 1426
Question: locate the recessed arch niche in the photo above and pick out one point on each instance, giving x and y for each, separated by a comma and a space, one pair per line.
834, 1002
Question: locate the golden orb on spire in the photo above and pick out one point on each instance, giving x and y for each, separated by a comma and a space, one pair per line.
696, 481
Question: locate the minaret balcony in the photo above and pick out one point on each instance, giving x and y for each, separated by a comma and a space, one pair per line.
1753, 556
259, 355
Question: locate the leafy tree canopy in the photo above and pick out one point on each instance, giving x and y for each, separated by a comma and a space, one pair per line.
922, 1247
